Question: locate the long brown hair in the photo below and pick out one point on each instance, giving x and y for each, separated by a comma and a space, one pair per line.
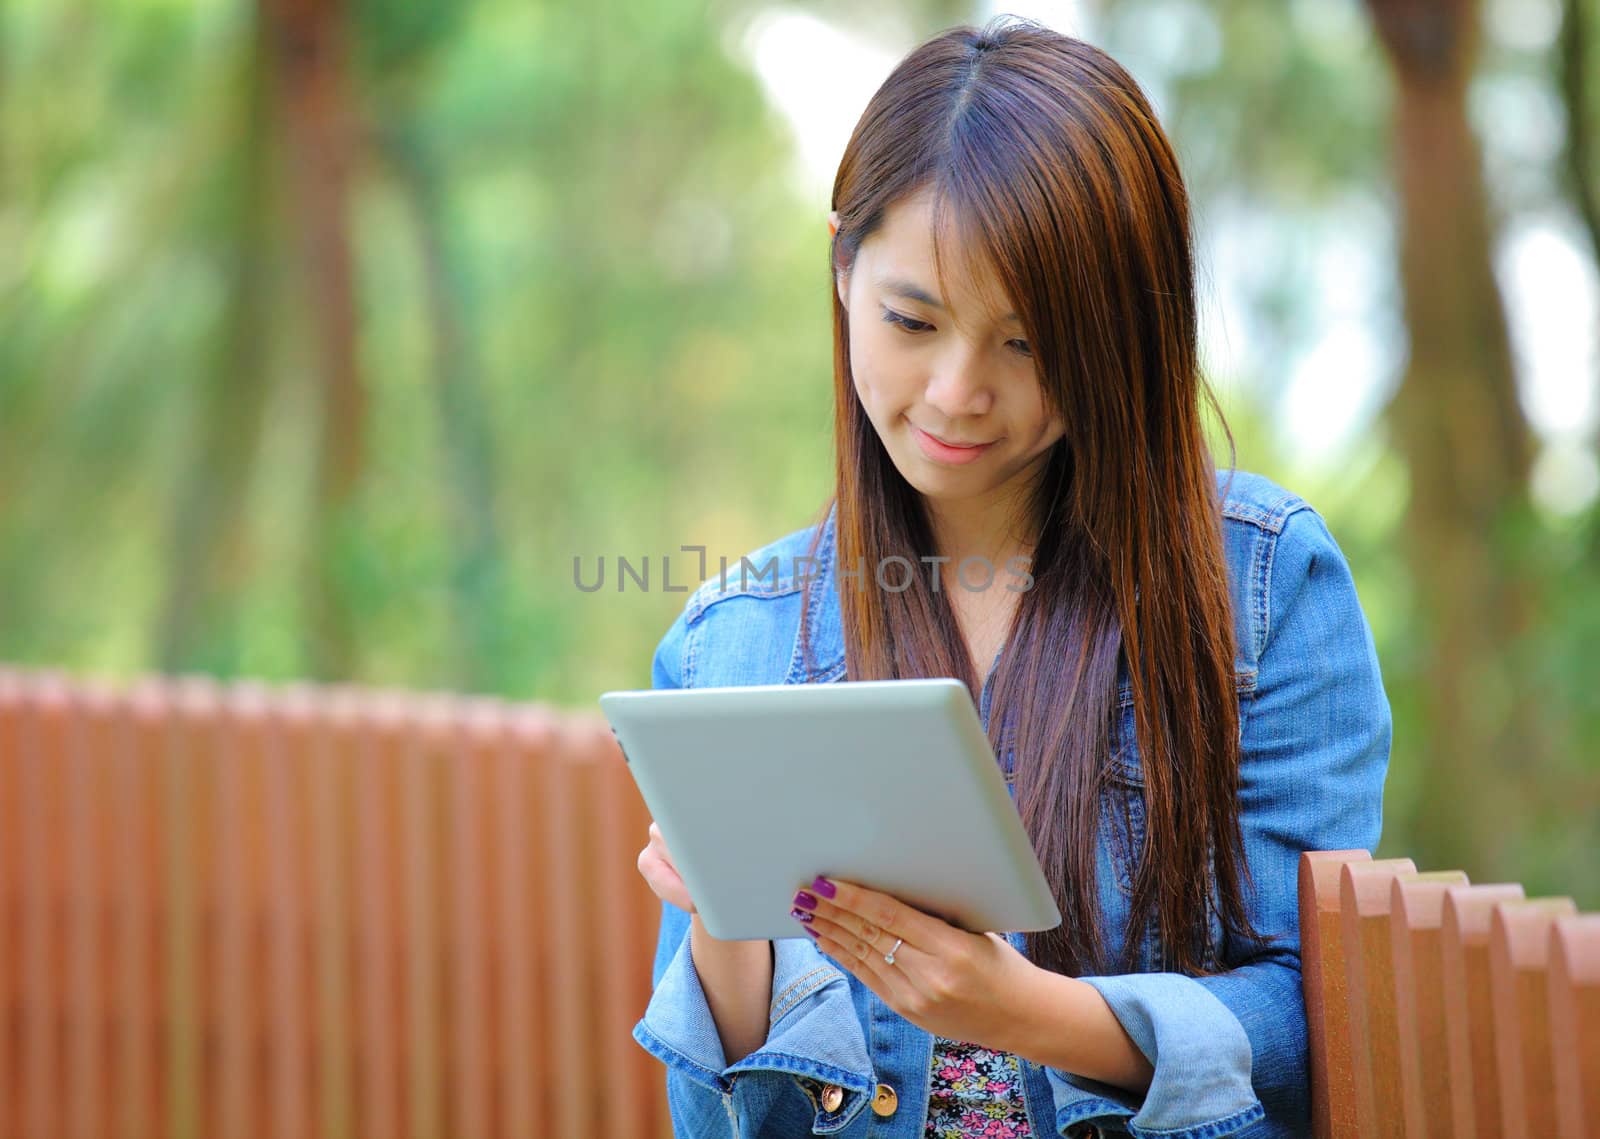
1047, 157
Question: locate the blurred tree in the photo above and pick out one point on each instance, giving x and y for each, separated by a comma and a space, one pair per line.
1578, 99
383, 310
398, 48
470, 472
1458, 422
1278, 113
315, 121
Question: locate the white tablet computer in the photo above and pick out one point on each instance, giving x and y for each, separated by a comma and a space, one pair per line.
891, 784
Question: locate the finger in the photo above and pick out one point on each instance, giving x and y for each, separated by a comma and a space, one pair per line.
877, 909
659, 845
868, 967
664, 879
849, 925
907, 957
851, 928
669, 874
852, 924
913, 962
897, 982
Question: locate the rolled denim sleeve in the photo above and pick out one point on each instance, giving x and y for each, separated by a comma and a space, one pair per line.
813, 1038
1230, 1050
813, 1034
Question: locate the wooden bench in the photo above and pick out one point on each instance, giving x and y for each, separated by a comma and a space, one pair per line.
239, 911
242, 911
1442, 1008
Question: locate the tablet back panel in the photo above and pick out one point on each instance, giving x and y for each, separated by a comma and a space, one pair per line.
890, 784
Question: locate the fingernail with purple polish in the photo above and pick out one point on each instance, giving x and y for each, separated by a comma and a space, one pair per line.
815, 936
801, 915
824, 887
805, 901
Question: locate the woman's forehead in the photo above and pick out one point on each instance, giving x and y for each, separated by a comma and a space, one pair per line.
916, 279
902, 262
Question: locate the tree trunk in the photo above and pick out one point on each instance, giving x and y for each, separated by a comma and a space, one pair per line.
1583, 176
1583, 173
314, 114
1458, 424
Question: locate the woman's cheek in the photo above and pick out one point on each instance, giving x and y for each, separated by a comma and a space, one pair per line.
867, 392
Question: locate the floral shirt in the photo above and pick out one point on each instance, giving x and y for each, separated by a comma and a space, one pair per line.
974, 1092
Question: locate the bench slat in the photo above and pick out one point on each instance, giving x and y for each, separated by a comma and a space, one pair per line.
1468, 1010
1364, 889
1519, 959
1323, 978
1417, 906
1575, 1023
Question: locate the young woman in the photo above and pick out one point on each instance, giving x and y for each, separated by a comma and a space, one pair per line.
1180, 684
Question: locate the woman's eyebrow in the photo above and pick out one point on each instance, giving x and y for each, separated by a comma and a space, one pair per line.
900, 287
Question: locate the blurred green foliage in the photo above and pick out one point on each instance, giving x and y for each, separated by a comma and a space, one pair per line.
593, 322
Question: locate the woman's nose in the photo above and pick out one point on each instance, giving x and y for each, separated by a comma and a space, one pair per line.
959, 389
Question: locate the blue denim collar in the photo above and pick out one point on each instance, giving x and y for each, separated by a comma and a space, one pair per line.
823, 626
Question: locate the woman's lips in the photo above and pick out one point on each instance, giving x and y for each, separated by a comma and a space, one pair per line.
941, 452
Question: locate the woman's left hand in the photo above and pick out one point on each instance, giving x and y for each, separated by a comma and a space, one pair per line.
960, 985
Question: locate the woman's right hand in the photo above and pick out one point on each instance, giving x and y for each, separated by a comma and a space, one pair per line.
736, 975
655, 864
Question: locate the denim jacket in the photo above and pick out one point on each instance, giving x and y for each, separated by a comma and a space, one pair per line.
1229, 1050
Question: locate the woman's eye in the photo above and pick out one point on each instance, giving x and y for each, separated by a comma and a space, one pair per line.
905, 322
1021, 347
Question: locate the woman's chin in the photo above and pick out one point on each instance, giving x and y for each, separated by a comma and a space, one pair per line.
940, 484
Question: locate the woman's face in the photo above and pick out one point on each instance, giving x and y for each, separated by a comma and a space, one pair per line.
953, 395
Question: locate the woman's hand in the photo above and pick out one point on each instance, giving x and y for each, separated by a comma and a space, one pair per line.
655, 864
944, 980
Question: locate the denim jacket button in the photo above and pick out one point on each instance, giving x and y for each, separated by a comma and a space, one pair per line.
885, 1102
832, 1097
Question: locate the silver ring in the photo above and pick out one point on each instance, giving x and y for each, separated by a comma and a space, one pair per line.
889, 956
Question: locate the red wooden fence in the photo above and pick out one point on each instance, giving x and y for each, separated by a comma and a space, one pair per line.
241, 911
251, 912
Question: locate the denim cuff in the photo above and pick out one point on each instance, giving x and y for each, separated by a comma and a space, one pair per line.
812, 1034
1201, 1088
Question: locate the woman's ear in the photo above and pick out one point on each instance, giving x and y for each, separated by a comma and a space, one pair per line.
840, 277
839, 274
